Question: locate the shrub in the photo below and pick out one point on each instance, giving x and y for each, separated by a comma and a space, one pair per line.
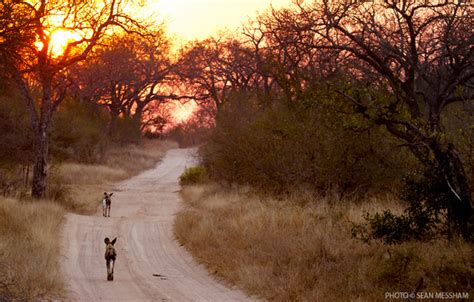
193, 175
425, 218
78, 132
308, 145
125, 130
12, 180
16, 135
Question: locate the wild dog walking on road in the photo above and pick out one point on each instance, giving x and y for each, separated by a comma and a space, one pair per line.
110, 256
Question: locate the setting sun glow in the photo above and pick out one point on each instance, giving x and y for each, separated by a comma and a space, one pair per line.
197, 19
59, 38
182, 112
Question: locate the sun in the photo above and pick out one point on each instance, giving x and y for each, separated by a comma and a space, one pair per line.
182, 112
59, 40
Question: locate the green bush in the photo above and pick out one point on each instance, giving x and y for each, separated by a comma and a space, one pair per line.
303, 144
16, 134
125, 130
78, 132
426, 216
193, 175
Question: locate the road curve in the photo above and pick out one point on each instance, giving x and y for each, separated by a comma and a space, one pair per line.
150, 266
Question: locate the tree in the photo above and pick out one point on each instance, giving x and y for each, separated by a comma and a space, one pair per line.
287, 57
27, 56
216, 69
408, 62
132, 76
156, 118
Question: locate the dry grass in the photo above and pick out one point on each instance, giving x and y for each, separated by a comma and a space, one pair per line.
29, 230
82, 174
29, 249
299, 249
86, 183
134, 159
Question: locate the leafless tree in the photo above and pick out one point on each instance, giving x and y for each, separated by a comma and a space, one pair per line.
132, 76
286, 56
156, 117
216, 68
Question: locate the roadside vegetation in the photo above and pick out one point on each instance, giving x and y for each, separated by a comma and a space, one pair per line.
340, 161
29, 249
300, 247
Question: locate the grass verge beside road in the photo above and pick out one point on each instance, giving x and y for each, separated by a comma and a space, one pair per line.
300, 248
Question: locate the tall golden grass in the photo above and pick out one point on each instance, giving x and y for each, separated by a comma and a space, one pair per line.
29, 249
30, 229
300, 249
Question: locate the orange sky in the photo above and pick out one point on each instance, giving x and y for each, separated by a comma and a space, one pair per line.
197, 19
190, 19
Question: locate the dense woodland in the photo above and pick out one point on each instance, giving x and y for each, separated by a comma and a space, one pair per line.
345, 98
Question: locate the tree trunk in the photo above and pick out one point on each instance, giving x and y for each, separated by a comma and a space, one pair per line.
137, 116
451, 171
114, 117
460, 210
40, 169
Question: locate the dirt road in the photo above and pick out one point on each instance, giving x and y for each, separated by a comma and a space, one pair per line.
151, 266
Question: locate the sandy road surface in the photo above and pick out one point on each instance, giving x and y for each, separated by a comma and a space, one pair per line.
142, 215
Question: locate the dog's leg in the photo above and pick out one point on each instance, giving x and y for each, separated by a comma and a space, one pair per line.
112, 273
107, 263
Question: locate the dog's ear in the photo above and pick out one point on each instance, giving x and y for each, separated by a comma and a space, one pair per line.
111, 194
106, 240
113, 241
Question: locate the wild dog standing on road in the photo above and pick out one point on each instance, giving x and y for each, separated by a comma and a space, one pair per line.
106, 203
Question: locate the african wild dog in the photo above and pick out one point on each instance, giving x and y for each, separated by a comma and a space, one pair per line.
110, 255
106, 203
